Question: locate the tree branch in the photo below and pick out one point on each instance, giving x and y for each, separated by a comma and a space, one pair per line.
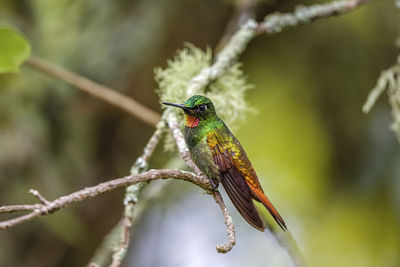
50, 207
38, 210
276, 22
272, 24
97, 90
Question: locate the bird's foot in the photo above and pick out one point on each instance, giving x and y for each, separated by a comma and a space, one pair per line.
214, 184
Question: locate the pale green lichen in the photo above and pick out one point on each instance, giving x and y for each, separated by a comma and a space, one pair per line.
227, 92
228, 95
175, 78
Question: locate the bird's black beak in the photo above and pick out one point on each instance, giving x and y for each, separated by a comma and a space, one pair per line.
176, 105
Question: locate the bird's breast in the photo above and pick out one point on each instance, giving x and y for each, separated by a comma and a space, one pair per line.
203, 158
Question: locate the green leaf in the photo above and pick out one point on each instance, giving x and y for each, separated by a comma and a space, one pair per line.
14, 49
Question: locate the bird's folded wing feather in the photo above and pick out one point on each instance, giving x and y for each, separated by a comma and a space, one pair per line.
235, 184
234, 165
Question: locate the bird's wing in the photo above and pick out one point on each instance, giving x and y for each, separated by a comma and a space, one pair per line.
230, 156
234, 183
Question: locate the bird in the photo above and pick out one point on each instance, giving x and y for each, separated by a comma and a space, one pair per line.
220, 156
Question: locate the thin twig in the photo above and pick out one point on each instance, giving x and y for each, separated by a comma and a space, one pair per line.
104, 251
95, 89
120, 251
36, 194
90, 192
14, 208
389, 81
132, 196
230, 228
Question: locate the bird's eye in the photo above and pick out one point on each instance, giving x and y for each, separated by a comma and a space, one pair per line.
202, 107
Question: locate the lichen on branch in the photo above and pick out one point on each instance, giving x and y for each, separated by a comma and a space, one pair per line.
389, 80
227, 91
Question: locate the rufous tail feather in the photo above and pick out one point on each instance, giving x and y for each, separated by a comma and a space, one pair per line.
265, 201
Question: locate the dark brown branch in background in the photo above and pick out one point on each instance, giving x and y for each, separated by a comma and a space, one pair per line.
97, 90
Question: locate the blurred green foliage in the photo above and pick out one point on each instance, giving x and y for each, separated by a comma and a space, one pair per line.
332, 171
14, 49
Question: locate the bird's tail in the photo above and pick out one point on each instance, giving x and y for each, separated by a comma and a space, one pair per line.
265, 201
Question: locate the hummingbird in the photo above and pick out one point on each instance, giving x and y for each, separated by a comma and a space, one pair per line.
220, 156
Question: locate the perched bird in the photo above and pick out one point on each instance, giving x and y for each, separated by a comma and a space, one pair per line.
219, 155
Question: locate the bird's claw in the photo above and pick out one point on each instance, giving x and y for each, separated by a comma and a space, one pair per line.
214, 184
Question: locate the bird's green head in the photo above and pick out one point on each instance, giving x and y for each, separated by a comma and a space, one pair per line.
197, 109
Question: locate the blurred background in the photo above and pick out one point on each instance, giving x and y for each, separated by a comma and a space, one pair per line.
332, 171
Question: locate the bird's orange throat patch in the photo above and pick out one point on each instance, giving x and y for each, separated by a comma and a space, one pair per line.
191, 121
